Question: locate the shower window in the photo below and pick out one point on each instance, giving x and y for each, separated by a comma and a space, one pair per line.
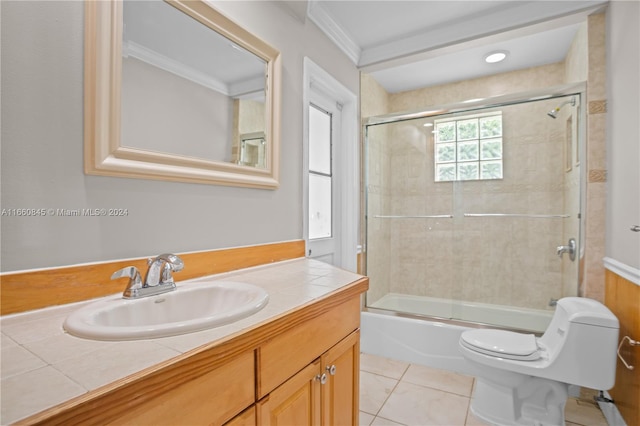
468, 148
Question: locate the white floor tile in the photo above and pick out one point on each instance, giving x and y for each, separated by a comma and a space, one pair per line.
383, 366
374, 391
439, 379
411, 404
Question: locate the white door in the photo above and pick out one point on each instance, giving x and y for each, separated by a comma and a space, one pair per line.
331, 169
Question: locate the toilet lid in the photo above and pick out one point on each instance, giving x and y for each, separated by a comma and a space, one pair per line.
502, 343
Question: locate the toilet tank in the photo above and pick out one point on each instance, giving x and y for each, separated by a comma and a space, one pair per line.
581, 341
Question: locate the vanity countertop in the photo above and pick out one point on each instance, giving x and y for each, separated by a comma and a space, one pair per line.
43, 366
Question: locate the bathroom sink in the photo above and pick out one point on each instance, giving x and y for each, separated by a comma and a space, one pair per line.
191, 307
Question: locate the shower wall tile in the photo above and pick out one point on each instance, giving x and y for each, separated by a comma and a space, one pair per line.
597, 56
596, 151
577, 59
596, 160
509, 261
597, 107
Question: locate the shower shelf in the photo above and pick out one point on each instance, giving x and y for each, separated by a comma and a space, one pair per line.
542, 216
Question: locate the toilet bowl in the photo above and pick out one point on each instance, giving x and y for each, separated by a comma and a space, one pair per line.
523, 380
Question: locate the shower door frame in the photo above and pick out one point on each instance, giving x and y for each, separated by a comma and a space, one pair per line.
577, 89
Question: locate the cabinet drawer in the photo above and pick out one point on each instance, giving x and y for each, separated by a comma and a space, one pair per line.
210, 399
290, 351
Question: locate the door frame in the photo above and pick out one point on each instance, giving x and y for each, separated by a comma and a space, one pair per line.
316, 79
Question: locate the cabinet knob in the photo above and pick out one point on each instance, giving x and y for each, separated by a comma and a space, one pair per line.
635, 228
322, 378
331, 369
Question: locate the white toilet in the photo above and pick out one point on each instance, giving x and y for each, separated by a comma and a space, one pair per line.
524, 380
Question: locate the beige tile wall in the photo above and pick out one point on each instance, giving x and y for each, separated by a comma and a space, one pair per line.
509, 260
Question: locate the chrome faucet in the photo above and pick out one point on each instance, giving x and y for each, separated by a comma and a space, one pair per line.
157, 281
160, 268
570, 248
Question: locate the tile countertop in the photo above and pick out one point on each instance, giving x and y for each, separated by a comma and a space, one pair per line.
43, 366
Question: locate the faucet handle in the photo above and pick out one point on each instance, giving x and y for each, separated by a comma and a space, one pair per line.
135, 281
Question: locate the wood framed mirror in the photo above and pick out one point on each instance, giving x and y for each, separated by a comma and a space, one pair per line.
171, 88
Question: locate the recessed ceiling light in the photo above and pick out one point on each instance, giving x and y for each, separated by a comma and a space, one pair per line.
496, 56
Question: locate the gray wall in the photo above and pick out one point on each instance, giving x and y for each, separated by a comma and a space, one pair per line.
42, 140
623, 138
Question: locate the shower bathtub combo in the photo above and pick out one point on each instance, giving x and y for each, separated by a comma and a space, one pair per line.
468, 209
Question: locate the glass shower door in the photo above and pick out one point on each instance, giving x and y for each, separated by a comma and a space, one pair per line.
409, 244
466, 212
512, 217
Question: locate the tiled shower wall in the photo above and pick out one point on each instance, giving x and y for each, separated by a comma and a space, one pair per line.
459, 258
509, 261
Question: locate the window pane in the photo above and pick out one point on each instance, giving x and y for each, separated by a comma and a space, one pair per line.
468, 151
469, 148
468, 129
319, 206
490, 127
468, 171
446, 132
319, 141
491, 149
446, 153
491, 170
445, 172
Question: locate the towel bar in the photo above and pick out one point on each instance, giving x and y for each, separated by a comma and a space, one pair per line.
632, 343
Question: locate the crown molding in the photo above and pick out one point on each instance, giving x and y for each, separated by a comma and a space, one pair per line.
334, 31
151, 57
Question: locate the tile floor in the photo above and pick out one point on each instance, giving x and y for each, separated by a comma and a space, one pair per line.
397, 393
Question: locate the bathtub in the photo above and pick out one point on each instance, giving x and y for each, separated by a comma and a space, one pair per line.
516, 318
433, 342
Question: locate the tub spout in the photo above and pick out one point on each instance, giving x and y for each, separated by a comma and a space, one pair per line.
570, 248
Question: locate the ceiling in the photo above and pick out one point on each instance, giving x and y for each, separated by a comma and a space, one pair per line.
406, 45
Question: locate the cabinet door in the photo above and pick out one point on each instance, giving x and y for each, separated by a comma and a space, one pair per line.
246, 418
295, 402
340, 393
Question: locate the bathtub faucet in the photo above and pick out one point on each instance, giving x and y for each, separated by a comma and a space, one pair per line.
570, 248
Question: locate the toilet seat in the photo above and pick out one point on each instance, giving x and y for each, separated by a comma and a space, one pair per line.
502, 344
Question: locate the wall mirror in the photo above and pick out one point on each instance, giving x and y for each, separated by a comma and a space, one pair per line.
174, 90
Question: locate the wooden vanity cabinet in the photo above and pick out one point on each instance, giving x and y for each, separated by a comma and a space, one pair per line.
211, 398
296, 402
246, 418
299, 369
340, 393
323, 393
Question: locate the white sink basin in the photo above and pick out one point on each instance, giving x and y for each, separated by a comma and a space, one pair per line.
191, 307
